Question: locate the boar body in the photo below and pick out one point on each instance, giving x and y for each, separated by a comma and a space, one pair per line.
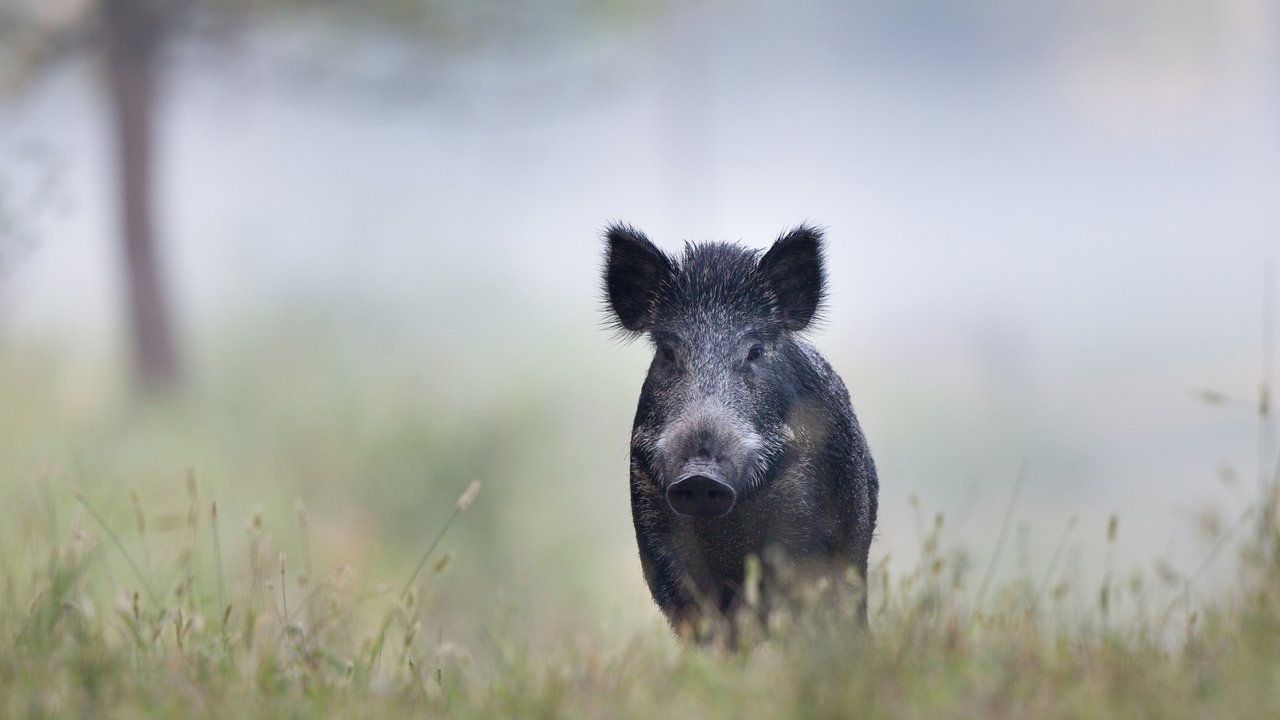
745, 442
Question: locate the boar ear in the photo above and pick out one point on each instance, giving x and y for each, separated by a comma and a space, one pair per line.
793, 270
634, 268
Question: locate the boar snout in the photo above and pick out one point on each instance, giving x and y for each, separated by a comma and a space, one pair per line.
701, 494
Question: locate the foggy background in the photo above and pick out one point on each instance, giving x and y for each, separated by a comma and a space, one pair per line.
1048, 232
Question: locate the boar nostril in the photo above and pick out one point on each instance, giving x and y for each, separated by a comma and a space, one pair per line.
701, 496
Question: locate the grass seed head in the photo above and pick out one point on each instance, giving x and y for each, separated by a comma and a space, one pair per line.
443, 563
469, 495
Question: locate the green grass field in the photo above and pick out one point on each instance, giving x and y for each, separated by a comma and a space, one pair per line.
248, 549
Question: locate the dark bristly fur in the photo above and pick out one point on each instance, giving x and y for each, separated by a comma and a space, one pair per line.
737, 401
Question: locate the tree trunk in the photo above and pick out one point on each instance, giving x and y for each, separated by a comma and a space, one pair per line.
134, 33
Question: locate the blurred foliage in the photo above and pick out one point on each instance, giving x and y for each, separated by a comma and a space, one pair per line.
132, 39
241, 550
374, 441
34, 34
22, 212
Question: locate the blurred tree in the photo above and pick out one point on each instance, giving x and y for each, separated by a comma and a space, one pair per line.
131, 36
133, 33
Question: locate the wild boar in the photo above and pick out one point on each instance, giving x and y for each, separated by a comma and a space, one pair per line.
745, 442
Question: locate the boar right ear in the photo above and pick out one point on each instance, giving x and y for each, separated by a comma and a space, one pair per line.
634, 269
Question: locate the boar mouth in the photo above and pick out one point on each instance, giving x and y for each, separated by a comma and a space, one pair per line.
701, 493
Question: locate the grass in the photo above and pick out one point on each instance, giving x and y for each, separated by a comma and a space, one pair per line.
926, 655
141, 581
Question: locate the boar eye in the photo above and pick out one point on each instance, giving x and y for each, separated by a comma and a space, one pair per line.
755, 353
668, 354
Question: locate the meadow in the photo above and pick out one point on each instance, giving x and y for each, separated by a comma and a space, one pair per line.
310, 530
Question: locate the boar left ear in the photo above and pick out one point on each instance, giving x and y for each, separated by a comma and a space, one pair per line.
793, 269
